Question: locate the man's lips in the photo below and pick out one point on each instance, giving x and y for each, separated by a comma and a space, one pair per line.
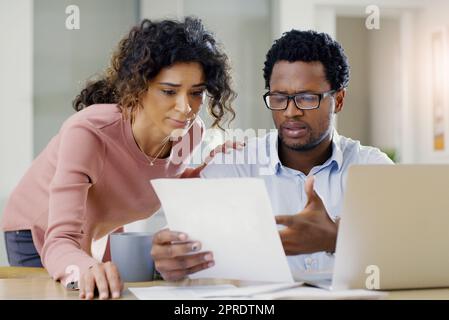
294, 125
294, 129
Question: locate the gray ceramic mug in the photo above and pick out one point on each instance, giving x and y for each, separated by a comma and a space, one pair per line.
131, 253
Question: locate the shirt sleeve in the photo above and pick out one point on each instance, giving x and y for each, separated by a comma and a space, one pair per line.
375, 156
79, 165
225, 165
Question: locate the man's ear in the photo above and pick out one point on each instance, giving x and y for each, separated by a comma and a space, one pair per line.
339, 100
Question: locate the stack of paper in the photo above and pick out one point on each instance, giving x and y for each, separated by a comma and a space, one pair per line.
309, 293
176, 293
259, 292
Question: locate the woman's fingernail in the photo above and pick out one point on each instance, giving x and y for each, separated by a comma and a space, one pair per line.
103, 296
116, 294
182, 237
210, 264
208, 257
196, 246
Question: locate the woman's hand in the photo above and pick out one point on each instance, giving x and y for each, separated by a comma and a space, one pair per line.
105, 278
226, 147
176, 256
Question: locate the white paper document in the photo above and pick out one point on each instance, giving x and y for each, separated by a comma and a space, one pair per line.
257, 292
225, 291
176, 293
232, 217
248, 291
309, 293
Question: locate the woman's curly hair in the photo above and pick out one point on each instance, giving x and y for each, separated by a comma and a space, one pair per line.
146, 50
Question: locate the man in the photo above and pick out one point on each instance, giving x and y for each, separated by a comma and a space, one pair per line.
306, 74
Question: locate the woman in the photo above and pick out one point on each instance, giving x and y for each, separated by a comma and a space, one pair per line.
139, 122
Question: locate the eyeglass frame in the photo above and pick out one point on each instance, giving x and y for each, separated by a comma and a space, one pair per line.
321, 96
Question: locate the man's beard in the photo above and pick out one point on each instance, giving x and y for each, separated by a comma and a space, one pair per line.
310, 144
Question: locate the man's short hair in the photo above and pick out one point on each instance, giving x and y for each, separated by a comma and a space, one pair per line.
310, 46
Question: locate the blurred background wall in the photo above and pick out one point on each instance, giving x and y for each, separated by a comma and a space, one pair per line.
43, 65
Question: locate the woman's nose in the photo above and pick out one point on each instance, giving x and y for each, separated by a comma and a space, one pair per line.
182, 105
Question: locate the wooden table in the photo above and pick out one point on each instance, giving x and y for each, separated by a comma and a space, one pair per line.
35, 283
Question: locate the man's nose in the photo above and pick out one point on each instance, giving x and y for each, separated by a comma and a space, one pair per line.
292, 110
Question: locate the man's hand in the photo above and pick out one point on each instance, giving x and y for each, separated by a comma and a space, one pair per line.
310, 230
175, 256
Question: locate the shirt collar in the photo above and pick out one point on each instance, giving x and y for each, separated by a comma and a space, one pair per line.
275, 164
337, 153
272, 151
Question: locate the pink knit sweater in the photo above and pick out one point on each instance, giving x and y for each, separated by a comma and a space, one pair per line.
90, 180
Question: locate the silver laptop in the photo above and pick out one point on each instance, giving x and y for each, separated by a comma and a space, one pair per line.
394, 229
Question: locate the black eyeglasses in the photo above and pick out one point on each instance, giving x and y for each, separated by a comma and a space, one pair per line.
303, 101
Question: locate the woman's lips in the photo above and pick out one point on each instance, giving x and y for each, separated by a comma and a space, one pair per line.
177, 123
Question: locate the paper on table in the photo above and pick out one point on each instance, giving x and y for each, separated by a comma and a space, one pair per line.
259, 292
309, 293
232, 217
206, 292
176, 293
249, 291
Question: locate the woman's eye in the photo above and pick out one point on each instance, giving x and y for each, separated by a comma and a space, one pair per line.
198, 93
169, 92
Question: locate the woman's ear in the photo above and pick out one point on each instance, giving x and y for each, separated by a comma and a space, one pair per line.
339, 100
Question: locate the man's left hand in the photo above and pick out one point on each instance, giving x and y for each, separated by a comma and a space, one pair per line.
310, 230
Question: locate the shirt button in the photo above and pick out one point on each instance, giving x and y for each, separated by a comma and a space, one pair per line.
309, 262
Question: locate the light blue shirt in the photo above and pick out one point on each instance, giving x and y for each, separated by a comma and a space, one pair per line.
285, 186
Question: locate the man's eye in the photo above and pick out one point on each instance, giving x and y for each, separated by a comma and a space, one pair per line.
169, 92
308, 98
278, 98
